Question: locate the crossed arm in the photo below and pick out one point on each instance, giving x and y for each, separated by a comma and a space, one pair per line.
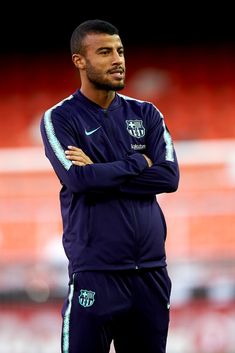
79, 158
138, 173
155, 180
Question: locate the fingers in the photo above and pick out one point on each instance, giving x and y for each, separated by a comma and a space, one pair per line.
77, 156
150, 163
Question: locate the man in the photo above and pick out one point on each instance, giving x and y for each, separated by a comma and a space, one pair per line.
112, 154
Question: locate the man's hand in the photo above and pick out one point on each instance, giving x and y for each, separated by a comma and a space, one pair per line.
77, 156
150, 163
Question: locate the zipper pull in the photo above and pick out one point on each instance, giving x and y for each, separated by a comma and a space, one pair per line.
105, 111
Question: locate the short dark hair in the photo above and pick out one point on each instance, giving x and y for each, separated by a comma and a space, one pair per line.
87, 27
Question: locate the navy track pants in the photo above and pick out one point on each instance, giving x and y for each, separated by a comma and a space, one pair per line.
131, 308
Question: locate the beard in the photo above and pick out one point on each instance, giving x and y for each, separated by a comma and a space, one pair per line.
99, 82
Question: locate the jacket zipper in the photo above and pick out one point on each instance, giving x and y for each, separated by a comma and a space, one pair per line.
110, 133
135, 236
112, 141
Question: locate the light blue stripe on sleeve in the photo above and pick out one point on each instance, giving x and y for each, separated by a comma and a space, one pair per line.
169, 144
53, 140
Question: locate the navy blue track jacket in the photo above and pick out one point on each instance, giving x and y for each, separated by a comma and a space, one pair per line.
111, 218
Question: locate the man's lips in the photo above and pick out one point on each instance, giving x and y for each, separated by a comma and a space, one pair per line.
117, 73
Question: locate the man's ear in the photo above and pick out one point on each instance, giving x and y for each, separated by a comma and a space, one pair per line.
79, 61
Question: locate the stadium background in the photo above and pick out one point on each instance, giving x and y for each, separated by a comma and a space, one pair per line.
181, 58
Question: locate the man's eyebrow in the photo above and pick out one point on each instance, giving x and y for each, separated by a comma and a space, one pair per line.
104, 48
109, 48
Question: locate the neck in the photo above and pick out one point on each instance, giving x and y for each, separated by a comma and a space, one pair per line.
101, 97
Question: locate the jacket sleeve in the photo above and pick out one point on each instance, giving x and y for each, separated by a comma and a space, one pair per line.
57, 135
163, 176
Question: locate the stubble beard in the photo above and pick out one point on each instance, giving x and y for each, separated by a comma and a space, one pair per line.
100, 83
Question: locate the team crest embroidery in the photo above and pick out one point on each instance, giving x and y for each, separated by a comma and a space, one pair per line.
86, 298
135, 128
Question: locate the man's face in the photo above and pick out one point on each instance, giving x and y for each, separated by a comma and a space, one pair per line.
104, 61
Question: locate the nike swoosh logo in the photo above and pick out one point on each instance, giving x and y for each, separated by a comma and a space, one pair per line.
92, 131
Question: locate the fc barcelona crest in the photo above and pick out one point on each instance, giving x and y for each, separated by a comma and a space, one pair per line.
135, 128
86, 298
